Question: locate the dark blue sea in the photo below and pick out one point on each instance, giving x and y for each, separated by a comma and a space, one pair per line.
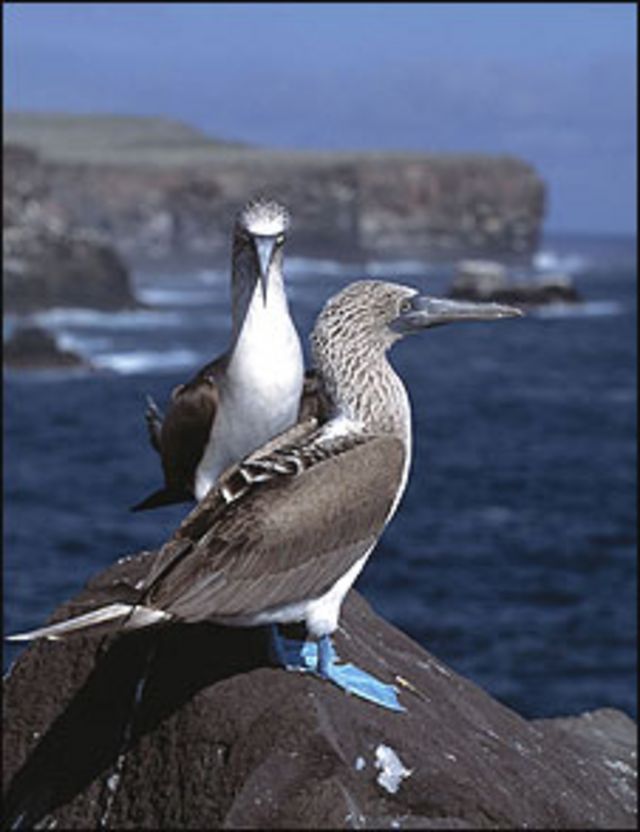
513, 554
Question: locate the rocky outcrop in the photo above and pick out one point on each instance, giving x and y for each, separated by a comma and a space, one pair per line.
162, 200
487, 281
189, 727
33, 348
50, 259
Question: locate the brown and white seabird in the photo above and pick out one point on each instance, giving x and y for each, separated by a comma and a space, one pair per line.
285, 533
250, 393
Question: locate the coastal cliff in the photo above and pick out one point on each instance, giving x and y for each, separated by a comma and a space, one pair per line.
189, 727
51, 259
159, 191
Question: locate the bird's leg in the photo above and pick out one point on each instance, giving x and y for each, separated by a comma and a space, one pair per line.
321, 659
292, 654
353, 680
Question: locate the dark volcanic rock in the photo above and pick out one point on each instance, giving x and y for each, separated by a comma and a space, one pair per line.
48, 259
486, 281
67, 269
31, 347
188, 727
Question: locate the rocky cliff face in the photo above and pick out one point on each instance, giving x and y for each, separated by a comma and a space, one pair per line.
188, 727
50, 258
178, 200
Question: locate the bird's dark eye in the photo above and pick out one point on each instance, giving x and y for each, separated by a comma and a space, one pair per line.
406, 306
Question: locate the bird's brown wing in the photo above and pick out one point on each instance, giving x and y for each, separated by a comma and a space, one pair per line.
304, 516
187, 425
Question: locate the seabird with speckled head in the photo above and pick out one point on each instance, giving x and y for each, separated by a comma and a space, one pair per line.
250, 393
285, 533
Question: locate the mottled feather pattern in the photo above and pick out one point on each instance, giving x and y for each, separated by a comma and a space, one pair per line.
261, 214
327, 513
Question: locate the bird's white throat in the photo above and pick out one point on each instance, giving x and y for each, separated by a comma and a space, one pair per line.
260, 394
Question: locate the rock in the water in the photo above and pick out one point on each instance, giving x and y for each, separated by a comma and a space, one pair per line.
33, 348
486, 281
189, 727
480, 277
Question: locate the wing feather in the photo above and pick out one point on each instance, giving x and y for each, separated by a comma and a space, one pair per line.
286, 539
187, 424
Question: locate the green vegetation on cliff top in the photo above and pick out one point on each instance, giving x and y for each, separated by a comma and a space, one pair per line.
113, 139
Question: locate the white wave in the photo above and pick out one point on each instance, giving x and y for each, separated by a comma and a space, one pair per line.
212, 277
389, 268
371, 268
308, 265
141, 361
129, 319
82, 345
550, 261
187, 296
589, 309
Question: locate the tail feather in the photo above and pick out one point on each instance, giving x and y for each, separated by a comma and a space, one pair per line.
113, 614
163, 497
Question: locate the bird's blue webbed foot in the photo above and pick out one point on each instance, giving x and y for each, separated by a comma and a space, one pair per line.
291, 653
353, 679
321, 659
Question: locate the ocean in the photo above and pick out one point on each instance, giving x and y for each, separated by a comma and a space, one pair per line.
512, 554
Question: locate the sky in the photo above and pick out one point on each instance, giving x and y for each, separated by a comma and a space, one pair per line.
552, 83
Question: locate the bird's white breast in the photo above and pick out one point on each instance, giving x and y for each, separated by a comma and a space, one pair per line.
260, 393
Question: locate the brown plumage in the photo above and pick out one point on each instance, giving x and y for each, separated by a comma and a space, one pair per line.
283, 535
288, 509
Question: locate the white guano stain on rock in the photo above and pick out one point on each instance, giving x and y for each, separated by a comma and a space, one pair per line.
392, 769
622, 767
360, 763
112, 782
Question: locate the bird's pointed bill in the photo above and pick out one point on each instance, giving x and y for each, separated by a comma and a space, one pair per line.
424, 311
264, 249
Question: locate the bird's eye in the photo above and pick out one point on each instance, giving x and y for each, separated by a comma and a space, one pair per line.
280, 239
406, 306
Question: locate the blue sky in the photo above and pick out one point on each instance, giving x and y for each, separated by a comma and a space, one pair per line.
553, 83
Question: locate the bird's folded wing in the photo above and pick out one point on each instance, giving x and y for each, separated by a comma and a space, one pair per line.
186, 427
306, 516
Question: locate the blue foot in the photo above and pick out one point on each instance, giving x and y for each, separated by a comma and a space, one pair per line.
292, 654
353, 680
321, 659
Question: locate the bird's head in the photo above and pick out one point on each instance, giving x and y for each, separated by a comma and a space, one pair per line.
260, 232
369, 316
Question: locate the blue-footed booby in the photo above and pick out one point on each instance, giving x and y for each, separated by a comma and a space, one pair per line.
284, 534
250, 393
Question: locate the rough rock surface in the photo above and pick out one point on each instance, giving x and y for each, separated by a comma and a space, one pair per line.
50, 259
31, 347
484, 280
157, 198
189, 727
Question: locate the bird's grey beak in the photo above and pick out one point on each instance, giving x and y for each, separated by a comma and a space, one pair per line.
426, 312
264, 247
